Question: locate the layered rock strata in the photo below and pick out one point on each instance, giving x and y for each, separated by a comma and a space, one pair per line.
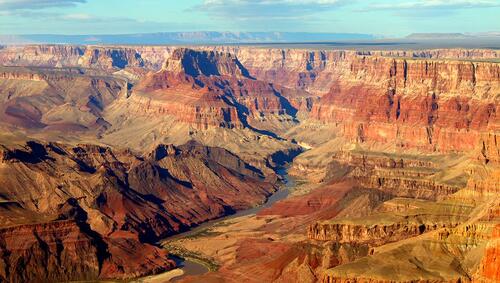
210, 89
94, 210
427, 105
56, 99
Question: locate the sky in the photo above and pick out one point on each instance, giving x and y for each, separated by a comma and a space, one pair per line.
380, 17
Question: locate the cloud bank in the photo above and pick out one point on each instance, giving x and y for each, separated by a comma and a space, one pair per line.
37, 4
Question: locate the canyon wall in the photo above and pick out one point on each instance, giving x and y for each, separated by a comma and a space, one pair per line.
428, 105
98, 212
56, 99
210, 89
422, 102
293, 68
67, 253
398, 175
84, 56
411, 137
375, 235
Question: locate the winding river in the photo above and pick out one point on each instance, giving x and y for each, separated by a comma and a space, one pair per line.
189, 267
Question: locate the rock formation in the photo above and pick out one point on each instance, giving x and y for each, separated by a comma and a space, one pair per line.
210, 89
429, 105
106, 150
53, 99
94, 211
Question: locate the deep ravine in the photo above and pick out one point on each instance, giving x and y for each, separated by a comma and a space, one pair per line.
192, 267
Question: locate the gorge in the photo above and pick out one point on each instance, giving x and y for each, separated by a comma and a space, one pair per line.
108, 152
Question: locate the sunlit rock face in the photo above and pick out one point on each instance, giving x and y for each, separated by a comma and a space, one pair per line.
106, 150
210, 89
416, 104
97, 212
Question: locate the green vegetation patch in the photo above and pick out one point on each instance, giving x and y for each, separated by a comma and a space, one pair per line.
197, 257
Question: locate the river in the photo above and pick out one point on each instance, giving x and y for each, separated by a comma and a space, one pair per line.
189, 267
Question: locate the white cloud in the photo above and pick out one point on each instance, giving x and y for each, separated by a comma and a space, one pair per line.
36, 4
77, 17
435, 4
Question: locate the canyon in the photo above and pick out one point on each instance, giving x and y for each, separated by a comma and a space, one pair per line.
108, 152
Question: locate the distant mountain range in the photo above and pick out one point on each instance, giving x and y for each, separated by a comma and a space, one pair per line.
440, 36
184, 38
211, 37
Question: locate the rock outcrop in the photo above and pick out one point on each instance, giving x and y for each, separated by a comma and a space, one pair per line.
85, 56
56, 99
210, 89
427, 105
491, 259
66, 250
41, 55
374, 235
93, 210
109, 58
207, 63
46, 252
370, 96
398, 175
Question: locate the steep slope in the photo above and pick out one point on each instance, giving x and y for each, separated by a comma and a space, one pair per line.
412, 193
214, 88
56, 99
314, 70
428, 105
293, 68
93, 210
97, 57
210, 97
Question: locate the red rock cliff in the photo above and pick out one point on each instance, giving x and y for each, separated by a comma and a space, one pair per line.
208, 89
430, 105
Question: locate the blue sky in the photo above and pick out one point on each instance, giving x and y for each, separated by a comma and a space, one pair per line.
382, 17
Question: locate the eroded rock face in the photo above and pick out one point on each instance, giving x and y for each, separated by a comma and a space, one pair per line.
490, 148
54, 251
207, 63
56, 99
435, 251
85, 56
292, 63
119, 183
491, 259
402, 176
374, 235
211, 89
428, 105
65, 247
98, 209
41, 55
314, 70
107, 58
425, 104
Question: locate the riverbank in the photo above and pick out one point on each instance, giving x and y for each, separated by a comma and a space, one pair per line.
272, 244
185, 255
162, 277
195, 263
